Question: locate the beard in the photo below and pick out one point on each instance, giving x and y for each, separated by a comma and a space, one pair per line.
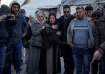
15, 12
79, 18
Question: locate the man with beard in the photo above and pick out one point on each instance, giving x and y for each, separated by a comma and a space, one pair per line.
80, 38
66, 51
16, 32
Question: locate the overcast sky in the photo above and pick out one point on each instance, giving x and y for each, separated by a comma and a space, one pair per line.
34, 4
32, 7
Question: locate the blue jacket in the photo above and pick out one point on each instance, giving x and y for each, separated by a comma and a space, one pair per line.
17, 30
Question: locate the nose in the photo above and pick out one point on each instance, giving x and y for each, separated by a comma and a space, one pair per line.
16, 8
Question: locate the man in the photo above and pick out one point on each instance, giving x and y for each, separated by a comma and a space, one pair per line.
24, 40
89, 10
16, 32
80, 38
92, 17
3, 35
65, 48
99, 54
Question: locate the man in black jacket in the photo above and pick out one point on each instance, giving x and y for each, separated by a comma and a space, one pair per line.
4, 10
65, 48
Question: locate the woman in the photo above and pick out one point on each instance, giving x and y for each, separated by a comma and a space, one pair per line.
53, 52
36, 43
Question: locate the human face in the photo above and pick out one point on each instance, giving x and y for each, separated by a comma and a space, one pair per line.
89, 13
15, 9
80, 13
52, 19
40, 18
66, 11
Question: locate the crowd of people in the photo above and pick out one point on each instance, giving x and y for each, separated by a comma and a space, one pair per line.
78, 38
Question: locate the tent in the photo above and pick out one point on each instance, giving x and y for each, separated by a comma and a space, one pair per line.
77, 2
100, 1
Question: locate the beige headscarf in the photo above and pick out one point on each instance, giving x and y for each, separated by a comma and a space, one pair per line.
40, 13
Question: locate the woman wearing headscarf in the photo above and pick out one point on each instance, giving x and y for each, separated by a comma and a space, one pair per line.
35, 52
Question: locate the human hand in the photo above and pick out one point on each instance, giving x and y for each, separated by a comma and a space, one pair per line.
97, 55
2, 17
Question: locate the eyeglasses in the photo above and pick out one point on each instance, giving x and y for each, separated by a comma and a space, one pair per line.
66, 11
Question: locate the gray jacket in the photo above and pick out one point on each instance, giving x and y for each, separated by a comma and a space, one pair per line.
36, 39
70, 33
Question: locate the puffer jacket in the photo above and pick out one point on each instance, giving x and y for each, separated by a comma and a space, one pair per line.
36, 39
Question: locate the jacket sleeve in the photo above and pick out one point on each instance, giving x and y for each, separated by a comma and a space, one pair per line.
24, 26
96, 35
92, 33
100, 47
28, 33
60, 23
69, 34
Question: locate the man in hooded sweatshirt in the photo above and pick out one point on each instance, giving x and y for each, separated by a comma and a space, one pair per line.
16, 32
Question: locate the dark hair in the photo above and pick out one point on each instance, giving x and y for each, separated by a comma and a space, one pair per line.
22, 11
79, 8
66, 6
89, 7
52, 14
4, 9
97, 13
16, 4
